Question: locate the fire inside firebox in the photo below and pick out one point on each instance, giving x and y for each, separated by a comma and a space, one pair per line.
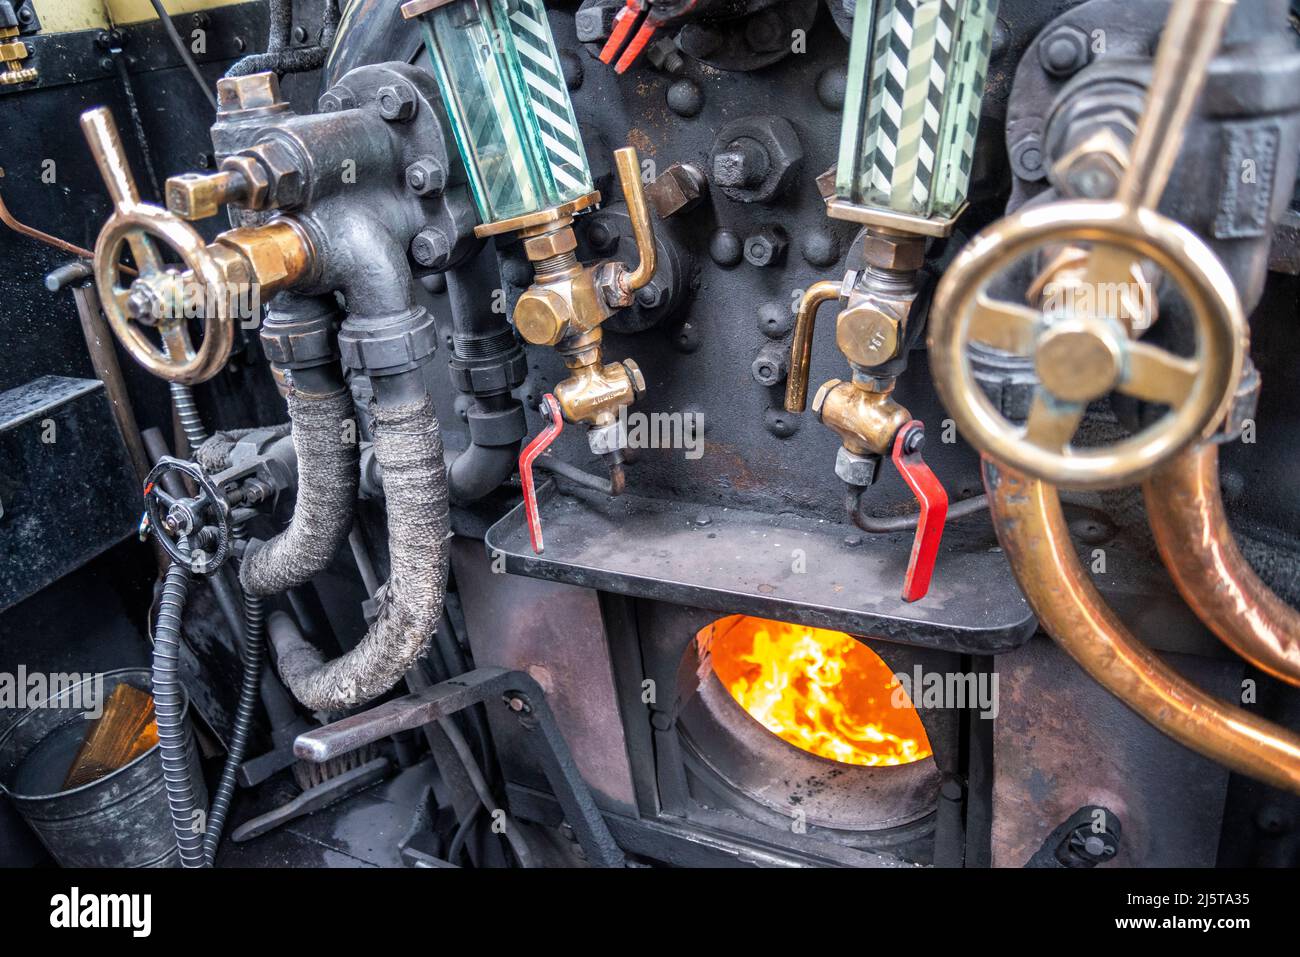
822, 691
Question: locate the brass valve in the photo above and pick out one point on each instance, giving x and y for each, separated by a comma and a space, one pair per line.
871, 332
213, 282
1090, 347
568, 301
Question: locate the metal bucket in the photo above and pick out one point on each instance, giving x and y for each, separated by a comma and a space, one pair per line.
119, 820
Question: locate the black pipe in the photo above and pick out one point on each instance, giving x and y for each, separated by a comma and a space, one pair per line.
487, 362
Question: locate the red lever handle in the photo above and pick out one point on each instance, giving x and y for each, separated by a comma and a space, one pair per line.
527, 457
627, 20
934, 509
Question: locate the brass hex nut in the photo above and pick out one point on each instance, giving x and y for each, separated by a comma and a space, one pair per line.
894, 252
256, 91
541, 316
550, 245
267, 259
869, 332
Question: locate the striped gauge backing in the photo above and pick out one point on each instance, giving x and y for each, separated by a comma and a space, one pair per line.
917, 70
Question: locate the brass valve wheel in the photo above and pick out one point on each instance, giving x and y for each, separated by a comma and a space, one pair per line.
158, 295
1082, 353
1082, 356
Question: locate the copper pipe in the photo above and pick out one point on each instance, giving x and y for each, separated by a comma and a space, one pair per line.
1032, 531
1185, 509
796, 387
31, 232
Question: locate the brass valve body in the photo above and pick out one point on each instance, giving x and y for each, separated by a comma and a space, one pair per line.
866, 420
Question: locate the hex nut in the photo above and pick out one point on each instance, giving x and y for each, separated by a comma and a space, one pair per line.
396, 102
901, 253
426, 176
252, 92
258, 183
771, 365
678, 189
285, 183
549, 245
859, 470
607, 438
755, 159
767, 246
869, 331
335, 99
431, 248
541, 316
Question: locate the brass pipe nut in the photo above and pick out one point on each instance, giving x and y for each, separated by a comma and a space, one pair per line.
870, 331
605, 439
903, 253
277, 254
542, 316
550, 245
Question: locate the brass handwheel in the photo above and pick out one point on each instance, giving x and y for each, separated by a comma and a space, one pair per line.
1083, 355
1085, 351
161, 295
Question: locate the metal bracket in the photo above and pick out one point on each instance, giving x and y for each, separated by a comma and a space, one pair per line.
457, 694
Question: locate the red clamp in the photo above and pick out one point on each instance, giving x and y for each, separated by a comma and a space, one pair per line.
934, 508
632, 21
528, 456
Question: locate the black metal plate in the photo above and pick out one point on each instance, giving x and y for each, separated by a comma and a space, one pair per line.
745, 561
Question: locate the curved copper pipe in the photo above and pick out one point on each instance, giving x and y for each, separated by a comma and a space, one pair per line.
1032, 531
796, 386
1185, 509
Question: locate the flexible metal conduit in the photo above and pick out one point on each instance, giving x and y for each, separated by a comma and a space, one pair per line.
1185, 508
1033, 534
169, 711
188, 414
252, 654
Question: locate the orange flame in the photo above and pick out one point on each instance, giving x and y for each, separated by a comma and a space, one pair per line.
822, 691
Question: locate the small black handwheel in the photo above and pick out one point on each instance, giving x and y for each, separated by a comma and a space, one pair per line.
194, 531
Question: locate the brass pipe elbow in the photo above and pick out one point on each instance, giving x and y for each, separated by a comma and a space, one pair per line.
1032, 531
1185, 509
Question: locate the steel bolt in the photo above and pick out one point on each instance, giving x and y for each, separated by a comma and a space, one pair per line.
594, 23
426, 176
767, 247
743, 163
430, 247
396, 102
1064, 51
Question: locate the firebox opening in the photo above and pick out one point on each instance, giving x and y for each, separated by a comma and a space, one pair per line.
821, 691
